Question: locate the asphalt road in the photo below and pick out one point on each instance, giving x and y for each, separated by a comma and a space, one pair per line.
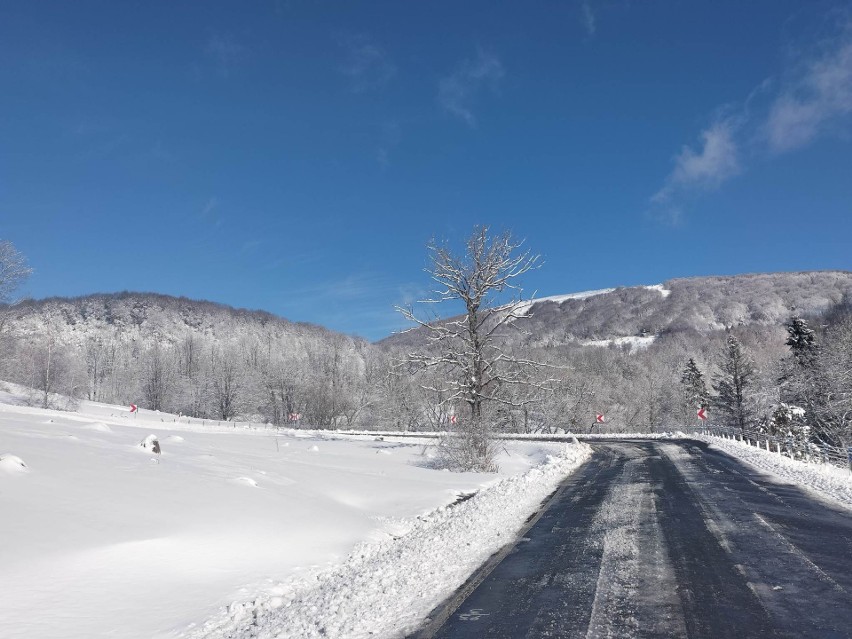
668, 539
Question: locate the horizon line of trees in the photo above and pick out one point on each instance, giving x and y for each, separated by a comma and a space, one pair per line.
788, 380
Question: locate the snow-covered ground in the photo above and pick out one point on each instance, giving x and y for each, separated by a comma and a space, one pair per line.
524, 307
558, 299
635, 342
826, 480
662, 290
239, 531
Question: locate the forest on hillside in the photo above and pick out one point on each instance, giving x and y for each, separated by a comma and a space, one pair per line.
211, 361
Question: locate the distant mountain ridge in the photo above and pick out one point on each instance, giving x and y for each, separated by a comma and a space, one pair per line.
698, 304
681, 304
621, 350
154, 315
180, 355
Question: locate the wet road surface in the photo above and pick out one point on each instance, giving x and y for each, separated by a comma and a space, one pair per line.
664, 538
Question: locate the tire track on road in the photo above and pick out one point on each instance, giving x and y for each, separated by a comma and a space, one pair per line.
667, 539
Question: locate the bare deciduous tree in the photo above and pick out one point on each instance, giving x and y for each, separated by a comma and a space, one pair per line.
833, 411
99, 355
13, 269
157, 380
226, 384
477, 370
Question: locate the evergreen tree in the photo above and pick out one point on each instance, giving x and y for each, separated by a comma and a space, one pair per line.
787, 423
694, 389
732, 384
799, 381
802, 342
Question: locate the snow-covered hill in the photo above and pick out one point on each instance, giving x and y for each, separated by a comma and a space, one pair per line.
700, 304
172, 353
145, 317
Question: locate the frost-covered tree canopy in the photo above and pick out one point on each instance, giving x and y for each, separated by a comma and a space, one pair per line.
13, 269
621, 352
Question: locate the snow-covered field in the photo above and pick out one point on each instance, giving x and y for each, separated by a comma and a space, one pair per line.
824, 479
233, 532
634, 342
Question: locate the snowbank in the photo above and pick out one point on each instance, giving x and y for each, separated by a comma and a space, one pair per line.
387, 588
13, 465
827, 480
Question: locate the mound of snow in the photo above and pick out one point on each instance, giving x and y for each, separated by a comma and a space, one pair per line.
13, 464
314, 449
174, 438
662, 290
98, 426
150, 443
830, 481
246, 481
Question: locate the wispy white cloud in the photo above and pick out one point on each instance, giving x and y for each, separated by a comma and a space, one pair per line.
225, 51
209, 206
589, 20
814, 100
715, 161
458, 92
211, 213
366, 65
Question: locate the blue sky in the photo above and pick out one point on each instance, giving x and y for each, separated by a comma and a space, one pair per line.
296, 156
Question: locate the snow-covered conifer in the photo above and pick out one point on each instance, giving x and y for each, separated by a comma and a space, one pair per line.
694, 388
733, 384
